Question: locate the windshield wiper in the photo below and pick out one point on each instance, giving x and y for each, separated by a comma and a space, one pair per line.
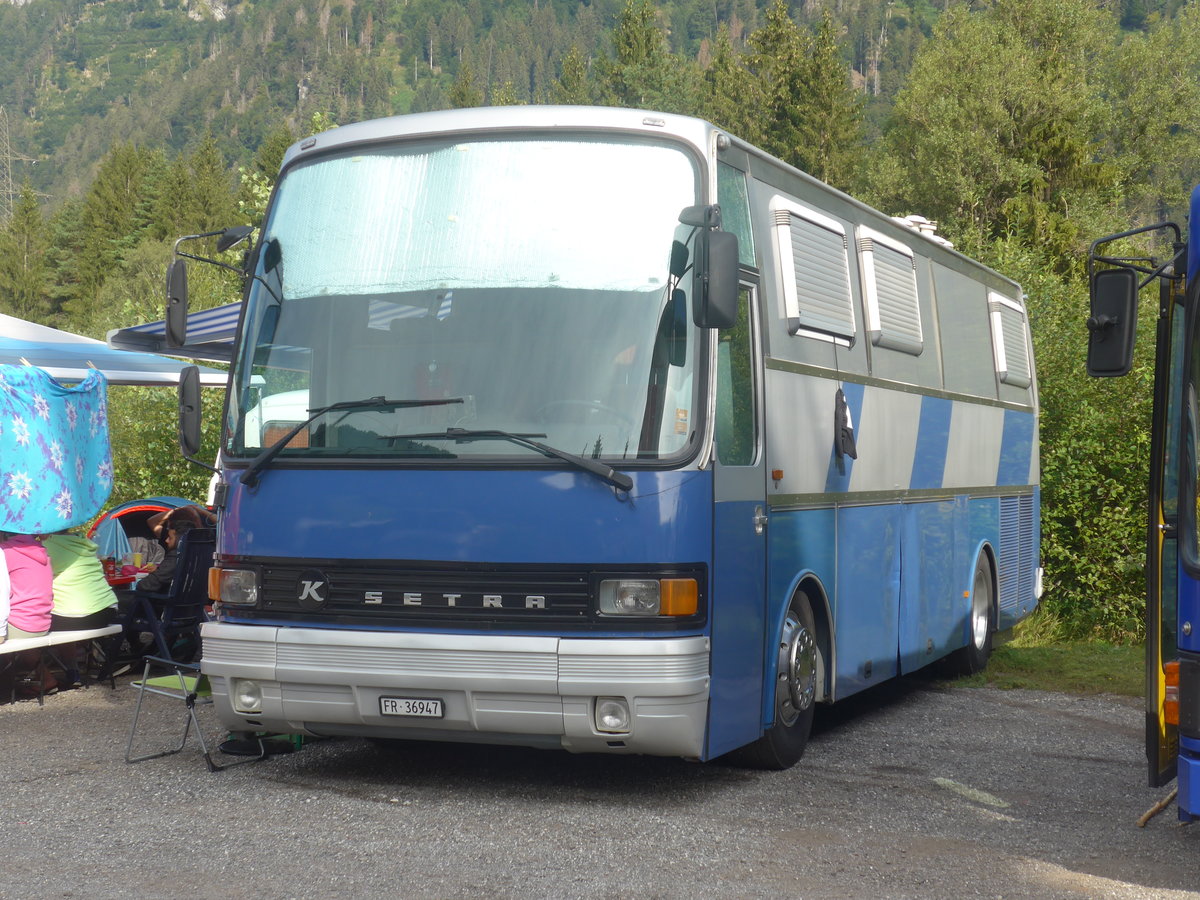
607, 473
250, 476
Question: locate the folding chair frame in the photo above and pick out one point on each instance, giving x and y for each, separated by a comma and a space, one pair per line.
189, 695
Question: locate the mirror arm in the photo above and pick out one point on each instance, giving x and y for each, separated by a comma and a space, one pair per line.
212, 262
1160, 272
1179, 247
202, 464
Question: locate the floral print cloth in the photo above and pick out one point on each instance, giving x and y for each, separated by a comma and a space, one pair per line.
55, 461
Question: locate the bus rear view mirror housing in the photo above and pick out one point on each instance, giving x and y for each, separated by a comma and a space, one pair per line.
719, 297
716, 267
1112, 325
189, 411
231, 237
177, 303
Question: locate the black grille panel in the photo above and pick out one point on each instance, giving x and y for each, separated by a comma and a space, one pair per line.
397, 593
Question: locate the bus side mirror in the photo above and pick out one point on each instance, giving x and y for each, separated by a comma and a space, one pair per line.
189, 411
1112, 326
177, 304
231, 237
717, 307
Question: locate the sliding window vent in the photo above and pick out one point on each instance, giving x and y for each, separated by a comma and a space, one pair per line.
889, 275
814, 263
1010, 343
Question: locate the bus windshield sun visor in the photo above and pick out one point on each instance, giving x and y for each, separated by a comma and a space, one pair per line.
250, 476
619, 480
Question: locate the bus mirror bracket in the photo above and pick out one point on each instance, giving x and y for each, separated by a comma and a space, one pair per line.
177, 286
1112, 324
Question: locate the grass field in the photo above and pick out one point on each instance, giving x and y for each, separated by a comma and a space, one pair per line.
1074, 668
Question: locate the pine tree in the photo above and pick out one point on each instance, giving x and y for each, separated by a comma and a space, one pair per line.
211, 201
733, 97
24, 270
109, 224
463, 93
643, 73
830, 131
776, 60
812, 115
573, 86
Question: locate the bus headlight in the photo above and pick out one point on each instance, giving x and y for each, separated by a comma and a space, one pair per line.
246, 696
649, 597
627, 597
237, 587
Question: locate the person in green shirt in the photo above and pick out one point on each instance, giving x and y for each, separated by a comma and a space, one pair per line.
82, 596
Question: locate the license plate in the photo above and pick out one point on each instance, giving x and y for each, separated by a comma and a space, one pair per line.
422, 707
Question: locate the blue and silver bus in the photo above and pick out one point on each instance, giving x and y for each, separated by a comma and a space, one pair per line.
1173, 533
603, 430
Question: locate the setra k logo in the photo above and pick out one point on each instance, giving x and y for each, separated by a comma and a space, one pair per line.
312, 589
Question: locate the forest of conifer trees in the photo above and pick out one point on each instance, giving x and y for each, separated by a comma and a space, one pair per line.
1025, 129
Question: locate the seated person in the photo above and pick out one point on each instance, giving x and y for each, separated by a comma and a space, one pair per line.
30, 590
82, 596
151, 552
197, 515
159, 581
5, 592
30, 585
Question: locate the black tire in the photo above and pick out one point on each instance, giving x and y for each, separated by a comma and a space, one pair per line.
797, 663
974, 656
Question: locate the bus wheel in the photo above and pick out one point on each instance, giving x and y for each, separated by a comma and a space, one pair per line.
797, 671
974, 657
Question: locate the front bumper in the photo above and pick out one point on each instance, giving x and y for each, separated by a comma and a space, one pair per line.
500, 689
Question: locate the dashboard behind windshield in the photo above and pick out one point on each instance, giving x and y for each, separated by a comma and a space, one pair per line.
527, 283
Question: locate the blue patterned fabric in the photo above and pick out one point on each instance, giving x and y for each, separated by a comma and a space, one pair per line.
55, 461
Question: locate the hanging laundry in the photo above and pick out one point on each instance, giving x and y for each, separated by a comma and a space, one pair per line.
55, 459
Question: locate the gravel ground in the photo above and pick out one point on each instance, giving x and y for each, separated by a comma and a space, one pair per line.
917, 790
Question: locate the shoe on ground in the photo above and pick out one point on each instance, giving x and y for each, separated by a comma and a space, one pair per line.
29, 691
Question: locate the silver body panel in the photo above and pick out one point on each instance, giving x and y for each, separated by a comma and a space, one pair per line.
534, 691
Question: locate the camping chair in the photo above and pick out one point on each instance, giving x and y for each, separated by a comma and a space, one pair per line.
176, 614
179, 681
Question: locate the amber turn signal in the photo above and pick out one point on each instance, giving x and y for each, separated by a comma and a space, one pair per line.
680, 596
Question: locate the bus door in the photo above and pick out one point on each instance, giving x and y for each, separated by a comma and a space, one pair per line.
739, 556
1173, 538
1162, 539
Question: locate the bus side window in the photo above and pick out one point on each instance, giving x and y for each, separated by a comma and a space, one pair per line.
735, 210
736, 429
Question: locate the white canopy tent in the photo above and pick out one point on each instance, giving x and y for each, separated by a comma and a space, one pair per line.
67, 357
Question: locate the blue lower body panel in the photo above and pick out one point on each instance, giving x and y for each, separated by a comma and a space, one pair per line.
1189, 780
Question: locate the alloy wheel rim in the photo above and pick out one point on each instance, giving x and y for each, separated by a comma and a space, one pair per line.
797, 670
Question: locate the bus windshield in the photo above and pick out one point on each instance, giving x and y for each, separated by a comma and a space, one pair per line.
534, 287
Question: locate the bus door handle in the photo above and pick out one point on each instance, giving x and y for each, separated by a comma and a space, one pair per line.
760, 520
